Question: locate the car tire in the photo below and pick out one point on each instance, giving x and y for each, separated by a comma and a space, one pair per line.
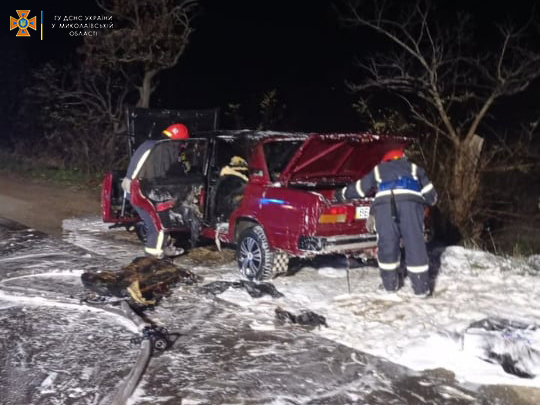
255, 258
141, 231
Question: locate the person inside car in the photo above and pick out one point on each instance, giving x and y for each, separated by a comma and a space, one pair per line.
155, 240
230, 188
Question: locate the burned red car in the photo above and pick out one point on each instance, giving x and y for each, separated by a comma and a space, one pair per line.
286, 207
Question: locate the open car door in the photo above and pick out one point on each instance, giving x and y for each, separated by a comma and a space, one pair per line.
144, 124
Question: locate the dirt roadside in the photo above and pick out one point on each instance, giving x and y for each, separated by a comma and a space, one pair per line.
42, 204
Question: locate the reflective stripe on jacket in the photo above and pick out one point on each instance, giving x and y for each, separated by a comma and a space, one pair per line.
139, 157
404, 179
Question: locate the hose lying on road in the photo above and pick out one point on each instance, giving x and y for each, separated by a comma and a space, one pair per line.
125, 314
126, 387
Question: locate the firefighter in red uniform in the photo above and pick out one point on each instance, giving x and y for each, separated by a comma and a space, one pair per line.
155, 241
402, 191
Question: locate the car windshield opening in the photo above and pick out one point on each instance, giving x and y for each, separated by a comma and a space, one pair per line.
278, 154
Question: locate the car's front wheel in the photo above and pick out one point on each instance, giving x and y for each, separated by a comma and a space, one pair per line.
255, 258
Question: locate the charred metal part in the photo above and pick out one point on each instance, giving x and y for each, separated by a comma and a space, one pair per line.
157, 335
254, 289
305, 318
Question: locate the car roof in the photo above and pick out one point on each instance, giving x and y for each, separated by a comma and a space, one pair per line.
248, 134
286, 135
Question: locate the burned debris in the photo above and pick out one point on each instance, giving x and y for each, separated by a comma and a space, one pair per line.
305, 318
506, 342
254, 289
145, 280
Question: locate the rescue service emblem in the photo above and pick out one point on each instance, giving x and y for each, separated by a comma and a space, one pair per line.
23, 23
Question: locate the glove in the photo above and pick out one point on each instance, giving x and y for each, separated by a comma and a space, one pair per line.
126, 185
339, 195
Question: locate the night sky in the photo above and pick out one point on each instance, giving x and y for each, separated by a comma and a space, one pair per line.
245, 48
241, 49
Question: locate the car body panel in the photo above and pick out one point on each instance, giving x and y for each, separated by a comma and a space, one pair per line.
292, 178
280, 211
337, 157
114, 207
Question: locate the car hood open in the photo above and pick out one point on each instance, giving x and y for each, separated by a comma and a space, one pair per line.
337, 158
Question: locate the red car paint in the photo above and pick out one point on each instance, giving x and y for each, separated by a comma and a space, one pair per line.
106, 198
111, 214
289, 207
140, 200
287, 213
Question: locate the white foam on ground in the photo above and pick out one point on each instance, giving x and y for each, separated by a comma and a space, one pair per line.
420, 334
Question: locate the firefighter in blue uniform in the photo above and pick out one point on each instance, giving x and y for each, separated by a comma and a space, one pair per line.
402, 190
155, 240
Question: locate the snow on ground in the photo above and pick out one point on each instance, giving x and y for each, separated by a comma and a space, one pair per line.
53, 350
95, 236
471, 285
419, 333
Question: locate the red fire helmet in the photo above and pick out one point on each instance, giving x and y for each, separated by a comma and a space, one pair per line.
176, 131
393, 154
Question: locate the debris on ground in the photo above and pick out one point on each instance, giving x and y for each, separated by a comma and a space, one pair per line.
506, 342
211, 255
304, 318
254, 289
158, 335
145, 280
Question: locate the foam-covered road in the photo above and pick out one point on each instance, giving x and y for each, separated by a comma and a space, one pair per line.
53, 350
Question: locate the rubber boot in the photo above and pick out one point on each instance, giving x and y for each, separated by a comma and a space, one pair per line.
420, 283
389, 279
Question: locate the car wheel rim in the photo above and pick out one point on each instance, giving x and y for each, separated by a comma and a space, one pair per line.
250, 257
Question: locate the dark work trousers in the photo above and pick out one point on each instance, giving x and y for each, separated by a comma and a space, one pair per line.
409, 231
154, 238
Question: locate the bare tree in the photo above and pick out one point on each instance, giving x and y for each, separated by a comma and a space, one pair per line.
81, 116
81, 107
148, 37
271, 110
448, 83
270, 114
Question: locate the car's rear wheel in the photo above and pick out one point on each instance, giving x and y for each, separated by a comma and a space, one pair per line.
255, 258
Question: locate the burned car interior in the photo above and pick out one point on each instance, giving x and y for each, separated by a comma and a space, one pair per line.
173, 177
179, 175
